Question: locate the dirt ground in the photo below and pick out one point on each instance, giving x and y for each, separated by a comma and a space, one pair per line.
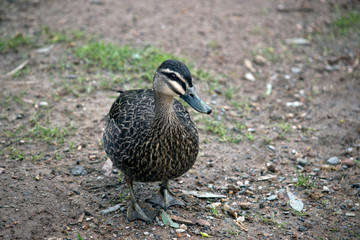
301, 109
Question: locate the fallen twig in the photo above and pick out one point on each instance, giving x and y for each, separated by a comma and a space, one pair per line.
18, 68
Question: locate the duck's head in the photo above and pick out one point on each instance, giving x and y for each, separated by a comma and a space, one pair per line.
173, 78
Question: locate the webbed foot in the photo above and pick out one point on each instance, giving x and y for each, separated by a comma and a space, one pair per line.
137, 212
165, 198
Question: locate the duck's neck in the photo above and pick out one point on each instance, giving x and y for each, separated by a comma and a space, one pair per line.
164, 109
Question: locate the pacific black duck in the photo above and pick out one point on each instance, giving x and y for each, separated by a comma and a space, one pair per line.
150, 136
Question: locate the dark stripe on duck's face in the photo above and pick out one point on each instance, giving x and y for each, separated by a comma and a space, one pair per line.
176, 78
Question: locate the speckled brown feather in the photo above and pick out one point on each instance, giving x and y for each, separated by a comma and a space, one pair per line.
147, 149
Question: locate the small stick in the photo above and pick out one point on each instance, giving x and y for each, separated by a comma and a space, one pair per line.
18, 68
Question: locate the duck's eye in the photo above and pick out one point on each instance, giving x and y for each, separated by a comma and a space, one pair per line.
172, 76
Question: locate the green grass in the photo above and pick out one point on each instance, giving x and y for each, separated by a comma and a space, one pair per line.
231, 92
53, 36
219, 128
7, 100
16, 154
271, 220
202, 75
285, 128
304, 181
13, 43
141, 63
214, 210
348, 22
45, 133
269, 53
131, 64
250, 136
22, 72
37, 157
79, 237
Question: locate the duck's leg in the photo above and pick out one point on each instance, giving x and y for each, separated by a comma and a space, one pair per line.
135, 211
165, 198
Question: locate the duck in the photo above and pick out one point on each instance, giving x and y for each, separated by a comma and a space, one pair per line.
150, 137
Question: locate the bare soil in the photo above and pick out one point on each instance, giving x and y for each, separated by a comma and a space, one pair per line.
42, 199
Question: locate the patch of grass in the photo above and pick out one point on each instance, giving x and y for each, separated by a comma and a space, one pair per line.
214, 210
250, 136
272, 220
132, 63
124, 59
269, 53
267, 140
8, 44
243, 105
285, 128
235, 232
221, 130
50, 135
79, 237
72, 146
121, 177
348, 22
231, 92
58, 156
37, 157
304, 181
52, 36
22, 72
214, 87
7, 100
123, 197
202, 75
17, 155
214, 45
100, 143
16, 133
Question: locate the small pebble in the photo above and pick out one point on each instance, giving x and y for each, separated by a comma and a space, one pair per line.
333, 161
271, 148
271, 198
180, 230
20, 116
295, 70
350, 214
245, 205
78, 170
250, 77
349, 150
348, 162
183, 226
271, 167
302, 161
297, 41
302, 229
260, 60
43, 104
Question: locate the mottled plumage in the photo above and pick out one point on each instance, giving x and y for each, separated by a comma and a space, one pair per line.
145, 148
150, 137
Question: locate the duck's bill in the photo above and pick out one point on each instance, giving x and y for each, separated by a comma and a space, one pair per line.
193, 99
